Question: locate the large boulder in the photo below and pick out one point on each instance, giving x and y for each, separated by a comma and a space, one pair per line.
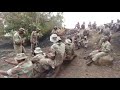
105, 61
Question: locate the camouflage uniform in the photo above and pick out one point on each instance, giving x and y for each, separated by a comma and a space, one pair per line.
105, 50
42, 66
85, 42
34, 38
59, 50
69, 51
106, 32
22, 70
54, 31
18, 43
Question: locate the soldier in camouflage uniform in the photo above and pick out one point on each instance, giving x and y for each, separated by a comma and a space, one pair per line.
105, 50
34, 39
18, 41
58, 52
23, 68
42, 64
69, 50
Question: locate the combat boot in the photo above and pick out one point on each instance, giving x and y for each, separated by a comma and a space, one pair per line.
89, 62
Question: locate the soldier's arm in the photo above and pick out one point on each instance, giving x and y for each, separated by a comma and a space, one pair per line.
4, 73
51, 63
107, 49
34, 59
13, 62
17, 40
31, 37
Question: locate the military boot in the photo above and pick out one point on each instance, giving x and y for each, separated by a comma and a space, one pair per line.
89, 62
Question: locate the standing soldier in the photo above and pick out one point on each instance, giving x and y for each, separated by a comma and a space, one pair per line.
34, 39
89, 25
77, 26
94, 25
18, 41
83, 25
55, 30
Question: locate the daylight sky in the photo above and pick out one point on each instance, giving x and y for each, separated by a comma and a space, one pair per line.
71, 18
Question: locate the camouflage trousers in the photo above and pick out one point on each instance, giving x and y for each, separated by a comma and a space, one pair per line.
96, 55
19, 49
33, 46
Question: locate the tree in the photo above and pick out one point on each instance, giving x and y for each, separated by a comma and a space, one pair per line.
31, 20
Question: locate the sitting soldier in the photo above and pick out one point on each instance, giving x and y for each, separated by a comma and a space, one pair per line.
42, 65
96, 54
85, 42
86, 32
77, 41
23, 68
106, 32
69, 50
57, 53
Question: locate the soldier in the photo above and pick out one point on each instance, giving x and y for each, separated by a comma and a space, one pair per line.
118, 25
105, 50
94, 25
85, 42
77, 40
69, 50
34, 39
106, 32
77, 26
42, 65
23, 67
86, 32
90, 26
83, 25
57, 51
18, 41
55, 30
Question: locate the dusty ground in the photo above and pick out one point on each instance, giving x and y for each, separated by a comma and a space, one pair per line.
77, 68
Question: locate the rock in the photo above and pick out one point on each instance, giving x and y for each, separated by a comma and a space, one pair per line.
105, 61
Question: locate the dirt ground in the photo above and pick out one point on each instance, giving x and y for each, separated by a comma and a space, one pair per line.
77, 68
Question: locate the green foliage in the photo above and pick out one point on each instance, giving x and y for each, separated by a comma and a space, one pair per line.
31, 20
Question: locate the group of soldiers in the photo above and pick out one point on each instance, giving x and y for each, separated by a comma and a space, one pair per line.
82, 26
48, 64
40, 64
104, 49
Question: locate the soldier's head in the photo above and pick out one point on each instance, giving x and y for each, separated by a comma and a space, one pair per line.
20, 57
105, 38
55, 28
69, 38
21, 31
68, 41
85, 37
59, 40
38, 51
54, 38
38, 30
